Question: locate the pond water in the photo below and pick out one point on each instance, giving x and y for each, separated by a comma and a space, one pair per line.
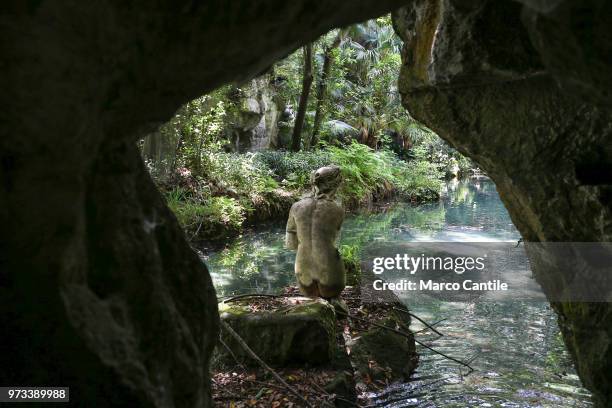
519, 357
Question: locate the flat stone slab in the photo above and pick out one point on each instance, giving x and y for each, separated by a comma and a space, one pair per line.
281, 331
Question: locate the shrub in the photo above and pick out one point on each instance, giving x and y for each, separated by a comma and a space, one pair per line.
216, 217
239, 174
230, 186
366, 171
423, 181
351, 256
293, 169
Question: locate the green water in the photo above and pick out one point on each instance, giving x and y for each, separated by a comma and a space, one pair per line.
520, 360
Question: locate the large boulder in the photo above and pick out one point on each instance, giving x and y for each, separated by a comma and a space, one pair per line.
383, 355
297, 330
488, 85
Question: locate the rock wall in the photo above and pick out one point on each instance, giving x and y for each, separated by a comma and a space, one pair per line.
521, 89
254, 125
99, 290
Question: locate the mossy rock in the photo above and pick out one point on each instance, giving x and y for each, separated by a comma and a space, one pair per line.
382, 354
302, 331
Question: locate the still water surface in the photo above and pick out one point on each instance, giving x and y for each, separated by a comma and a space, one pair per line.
519, 357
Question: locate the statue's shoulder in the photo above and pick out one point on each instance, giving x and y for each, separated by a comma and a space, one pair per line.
336, 204
338, 208
304, 202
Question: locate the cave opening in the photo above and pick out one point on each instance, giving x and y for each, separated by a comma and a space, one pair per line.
96, 273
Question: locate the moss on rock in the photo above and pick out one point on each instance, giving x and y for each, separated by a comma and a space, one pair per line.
382, 354
302, 331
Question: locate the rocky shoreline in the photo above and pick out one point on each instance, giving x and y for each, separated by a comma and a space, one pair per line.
334, 357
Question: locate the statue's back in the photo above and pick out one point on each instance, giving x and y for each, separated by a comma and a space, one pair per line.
317, 224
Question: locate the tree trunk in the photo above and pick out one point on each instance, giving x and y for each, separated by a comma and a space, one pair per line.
322, 89
296, 139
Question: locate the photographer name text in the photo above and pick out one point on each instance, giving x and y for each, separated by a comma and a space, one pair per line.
434, 264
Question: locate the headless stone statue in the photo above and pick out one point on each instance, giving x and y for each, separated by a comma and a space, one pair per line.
312, 229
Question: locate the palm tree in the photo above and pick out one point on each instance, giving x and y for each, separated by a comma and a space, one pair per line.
322, 85
375, 105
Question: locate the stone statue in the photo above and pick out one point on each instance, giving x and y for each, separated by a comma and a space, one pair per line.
312, 229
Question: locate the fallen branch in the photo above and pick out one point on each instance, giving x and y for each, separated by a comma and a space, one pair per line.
265, 366
249, 295
473, 358
264, 295
401, 333
427, 328
229, 350
251, 380
419, 319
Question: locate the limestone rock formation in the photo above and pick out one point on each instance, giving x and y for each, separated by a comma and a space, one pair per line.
522, 91
298, 332
99, 290
254, 126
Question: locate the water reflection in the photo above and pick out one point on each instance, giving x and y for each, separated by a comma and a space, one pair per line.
520, 360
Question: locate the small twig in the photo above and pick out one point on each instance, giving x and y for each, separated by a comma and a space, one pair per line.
255, 357
229, 350
246, 378
382, 326
248, 295
197, 231
427, 328
473, 358
265, 295
419, 319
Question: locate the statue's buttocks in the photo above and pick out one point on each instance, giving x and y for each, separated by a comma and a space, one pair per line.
313, 227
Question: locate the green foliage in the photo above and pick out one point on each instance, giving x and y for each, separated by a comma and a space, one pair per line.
350, 253
362, 169
421, 180
431, 148
226, 209
215, 216
233, 185
363, 81
396, 155
239, 174
294, 169
351, 257
366, 171
239, 184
